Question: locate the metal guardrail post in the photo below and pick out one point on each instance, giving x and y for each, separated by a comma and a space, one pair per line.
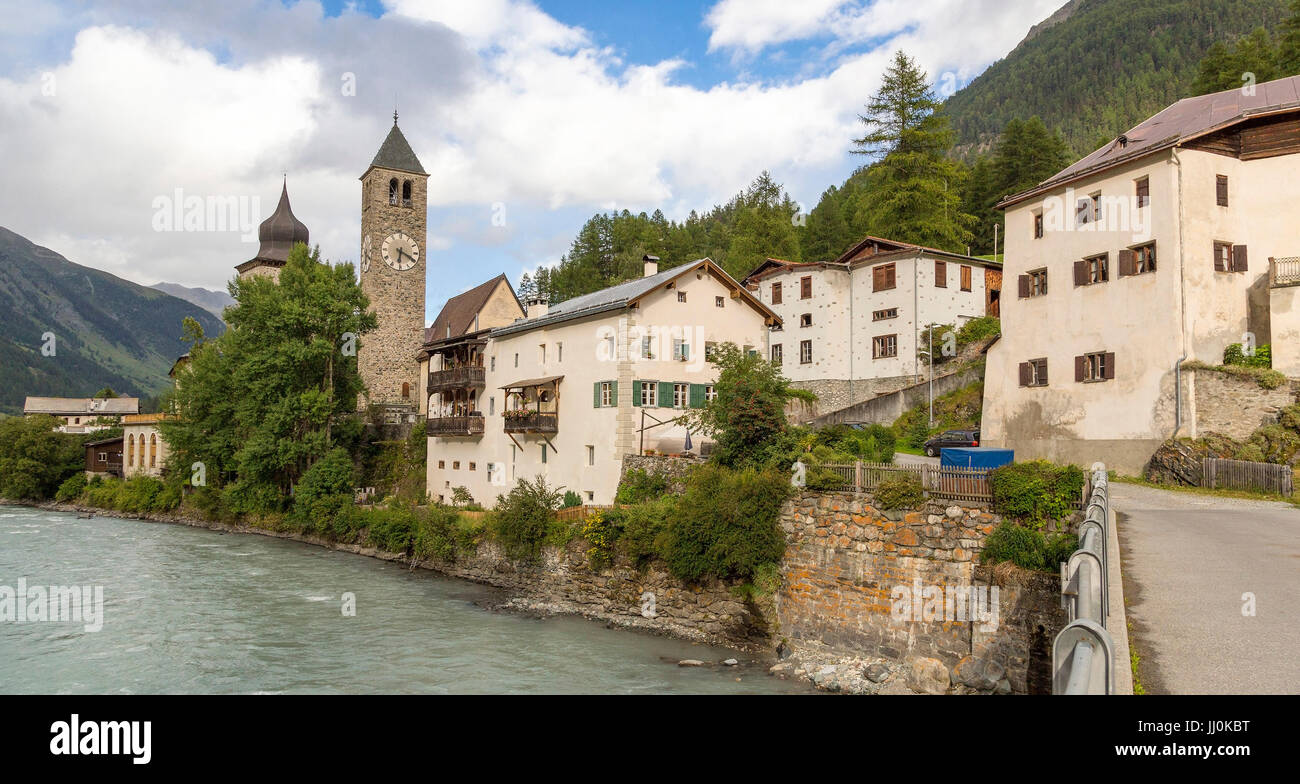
1083, 654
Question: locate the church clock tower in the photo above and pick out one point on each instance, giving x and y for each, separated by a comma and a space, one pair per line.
393, 256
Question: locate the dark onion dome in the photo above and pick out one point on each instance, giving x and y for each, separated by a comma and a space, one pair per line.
277, 235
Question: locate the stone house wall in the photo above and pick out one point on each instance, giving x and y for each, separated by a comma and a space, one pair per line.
1235, 406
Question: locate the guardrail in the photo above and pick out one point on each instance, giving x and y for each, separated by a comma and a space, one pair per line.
1083, 654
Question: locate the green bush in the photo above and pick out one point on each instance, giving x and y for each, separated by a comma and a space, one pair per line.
571, 499
523, 518
601, 535
726, 524
72, 488
900, 492
1036, 491
639, 486
643, 529
1234, 354
1026, 548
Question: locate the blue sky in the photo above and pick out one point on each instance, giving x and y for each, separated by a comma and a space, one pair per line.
544, 112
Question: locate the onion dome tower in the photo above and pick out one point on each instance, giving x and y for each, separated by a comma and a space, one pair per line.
276, 236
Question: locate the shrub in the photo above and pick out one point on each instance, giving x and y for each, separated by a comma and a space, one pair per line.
1235, 355
726, 524
1027, 548
571, 499
523, 518
900, 492
71, 488
600, 535
643, 529
639, 486
435, 535
460, 496
1036, 491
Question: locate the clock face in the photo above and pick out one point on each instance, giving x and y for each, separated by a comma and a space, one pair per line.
366, 252
400, 251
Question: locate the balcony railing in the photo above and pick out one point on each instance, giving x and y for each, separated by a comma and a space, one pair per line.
532, 422
456, 378
454, 426
1284, 271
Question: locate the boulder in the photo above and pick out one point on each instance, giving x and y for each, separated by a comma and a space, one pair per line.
928, 676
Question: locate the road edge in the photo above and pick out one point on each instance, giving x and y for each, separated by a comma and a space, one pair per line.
1117, 617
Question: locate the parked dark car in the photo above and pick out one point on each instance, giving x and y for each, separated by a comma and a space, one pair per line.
951, 438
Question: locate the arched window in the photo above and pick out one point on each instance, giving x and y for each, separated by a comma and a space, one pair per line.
392, 191
406, 390
130, 449
406, 193
153, 450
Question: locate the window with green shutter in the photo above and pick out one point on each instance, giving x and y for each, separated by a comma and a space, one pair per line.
697, 395
595, 394
605, 394
643, 393
665, 398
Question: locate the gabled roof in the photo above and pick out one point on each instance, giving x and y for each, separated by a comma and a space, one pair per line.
74, 406
627, 293
457, 316
1188, 119
396, 153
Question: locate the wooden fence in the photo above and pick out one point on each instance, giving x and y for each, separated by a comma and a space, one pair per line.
572, 514
958, 484
1247, 475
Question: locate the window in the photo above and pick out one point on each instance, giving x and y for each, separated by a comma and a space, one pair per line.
1033, 284
1033, 373
681, 395
493, 364
543, 454
1094, 367
805, 320
941, 274
406, 390
473, 466
681, 351
647, 347
709, 349
559, 352
1094, 269
710, 394
965, 278
516, 359
1221, 190
455, 465
591, 455
606, 394
442, 464
647, 391
1229, 257
776, 293
805, 352
541, 353
1038, 225
1135, 261
406, 193
882, 277
805, 287
492, 406
884, 346
719, 302
392, 191
591, 495
776, 353
1143, 189
887, 313
681, 296
1088, 209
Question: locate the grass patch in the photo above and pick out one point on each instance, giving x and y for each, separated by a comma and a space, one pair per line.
1267, 378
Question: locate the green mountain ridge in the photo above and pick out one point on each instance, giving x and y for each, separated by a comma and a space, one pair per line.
108, 331
1096, 68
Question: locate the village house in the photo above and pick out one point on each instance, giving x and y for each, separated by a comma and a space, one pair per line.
104, 457
82, 414
144, 448
1165, 246
851, 328
567, 391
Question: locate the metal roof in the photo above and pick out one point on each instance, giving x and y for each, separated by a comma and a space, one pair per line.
75, 406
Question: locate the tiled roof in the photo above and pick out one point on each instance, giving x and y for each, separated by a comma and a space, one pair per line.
75, 406
396, 153
457, 316
1187, 119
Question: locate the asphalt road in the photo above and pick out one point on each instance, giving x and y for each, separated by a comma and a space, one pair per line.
1188, 560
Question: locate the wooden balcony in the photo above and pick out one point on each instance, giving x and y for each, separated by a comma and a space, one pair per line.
467, 377
454, 426
532, 422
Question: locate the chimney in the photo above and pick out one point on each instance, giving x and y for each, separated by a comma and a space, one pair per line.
535, 307
651, 265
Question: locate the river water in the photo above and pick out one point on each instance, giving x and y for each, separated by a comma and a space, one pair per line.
187, 610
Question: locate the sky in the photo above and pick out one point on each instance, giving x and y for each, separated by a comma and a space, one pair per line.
130, 129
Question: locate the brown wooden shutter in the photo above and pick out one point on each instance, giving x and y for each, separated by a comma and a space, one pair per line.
1042, 372
1024, 374
940, 274
1220, 265
1080, 273
1143, 192
1221, 190
1080, 368
1238, 258
1127, 263
1108, 365
1024, 286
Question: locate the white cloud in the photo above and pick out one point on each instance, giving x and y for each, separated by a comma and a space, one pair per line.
752, 25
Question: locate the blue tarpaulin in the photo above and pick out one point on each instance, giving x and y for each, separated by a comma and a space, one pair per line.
975, 457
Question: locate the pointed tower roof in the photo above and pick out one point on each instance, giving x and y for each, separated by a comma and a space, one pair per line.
396, 153
277, 235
